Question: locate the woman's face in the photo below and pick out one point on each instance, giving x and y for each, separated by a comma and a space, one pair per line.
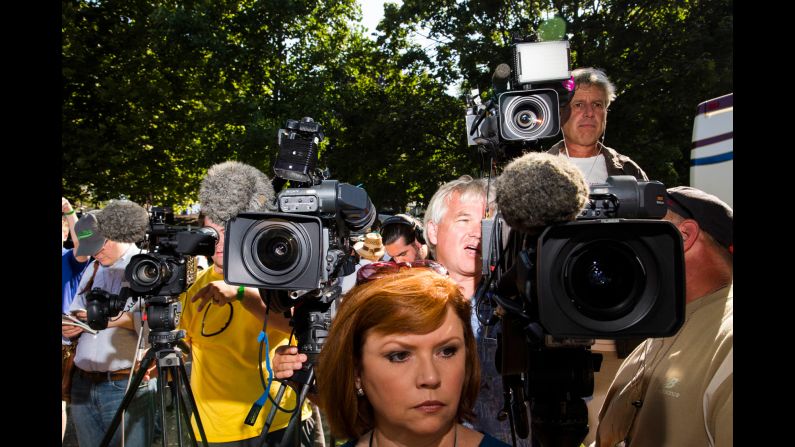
414, 381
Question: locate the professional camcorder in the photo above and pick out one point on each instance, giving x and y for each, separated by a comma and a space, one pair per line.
306, 245
617, 271
614, 272
159, 276
526, 98
298, 255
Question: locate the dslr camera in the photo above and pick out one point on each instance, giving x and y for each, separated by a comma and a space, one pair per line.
160, 275
527, 97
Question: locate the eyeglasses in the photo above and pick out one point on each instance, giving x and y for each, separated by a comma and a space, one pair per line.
104, 244
376, 270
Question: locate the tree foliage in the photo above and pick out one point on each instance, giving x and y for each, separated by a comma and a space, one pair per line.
665, 56
155, 92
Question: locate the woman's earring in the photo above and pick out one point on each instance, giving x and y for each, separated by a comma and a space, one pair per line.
359, 391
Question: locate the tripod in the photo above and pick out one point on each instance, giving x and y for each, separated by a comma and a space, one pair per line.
169, 361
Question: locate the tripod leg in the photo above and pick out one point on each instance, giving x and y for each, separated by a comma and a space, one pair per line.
183, 410
162, 380
181, 378
292, 431
271, 414
128, 397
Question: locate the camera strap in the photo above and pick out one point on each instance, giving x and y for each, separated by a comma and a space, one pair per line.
90, 282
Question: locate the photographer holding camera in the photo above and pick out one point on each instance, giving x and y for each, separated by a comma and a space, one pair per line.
105, 360
680, 389
223, 322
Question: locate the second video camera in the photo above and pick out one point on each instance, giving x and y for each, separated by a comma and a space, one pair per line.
160, 276
528, 97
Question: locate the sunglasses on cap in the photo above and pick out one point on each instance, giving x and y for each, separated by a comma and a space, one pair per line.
376, 270
678, 207
372, 250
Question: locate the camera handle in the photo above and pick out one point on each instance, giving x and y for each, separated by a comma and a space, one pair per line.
169, 361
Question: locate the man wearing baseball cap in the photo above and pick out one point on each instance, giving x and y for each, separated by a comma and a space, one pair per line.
679, 390
105, 360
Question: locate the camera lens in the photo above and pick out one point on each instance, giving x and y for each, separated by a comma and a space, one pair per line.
278, 249
147, 273
604, 279
526, 117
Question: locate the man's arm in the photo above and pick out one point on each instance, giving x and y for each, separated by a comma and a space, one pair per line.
221, 293
124, 320
71, 219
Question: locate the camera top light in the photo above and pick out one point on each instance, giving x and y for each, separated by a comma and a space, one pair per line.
542, 61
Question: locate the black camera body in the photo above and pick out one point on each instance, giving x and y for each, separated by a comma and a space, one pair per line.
101, 306
527, 97
302, 247
160, 276
305, 245
616, 272
170, 266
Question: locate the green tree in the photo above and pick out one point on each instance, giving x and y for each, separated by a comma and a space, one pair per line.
156, 92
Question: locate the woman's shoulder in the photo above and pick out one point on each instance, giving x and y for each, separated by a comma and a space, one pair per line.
471, 437
491, 441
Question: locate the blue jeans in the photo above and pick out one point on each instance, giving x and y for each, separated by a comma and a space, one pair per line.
95, 403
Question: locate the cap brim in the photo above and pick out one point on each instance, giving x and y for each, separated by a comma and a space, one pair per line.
90, 245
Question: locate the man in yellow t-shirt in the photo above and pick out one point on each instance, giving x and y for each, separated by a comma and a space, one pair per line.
224, 374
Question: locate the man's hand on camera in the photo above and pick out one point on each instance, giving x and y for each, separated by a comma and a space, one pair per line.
286, 360
218, 291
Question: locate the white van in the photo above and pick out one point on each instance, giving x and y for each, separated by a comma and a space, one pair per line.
712, 153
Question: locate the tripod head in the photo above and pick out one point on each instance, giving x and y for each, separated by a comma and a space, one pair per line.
311, 320
162, 315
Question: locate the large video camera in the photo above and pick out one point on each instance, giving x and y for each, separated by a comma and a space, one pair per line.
159, 276
297, 256
527, 98
616, 272
306, 245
